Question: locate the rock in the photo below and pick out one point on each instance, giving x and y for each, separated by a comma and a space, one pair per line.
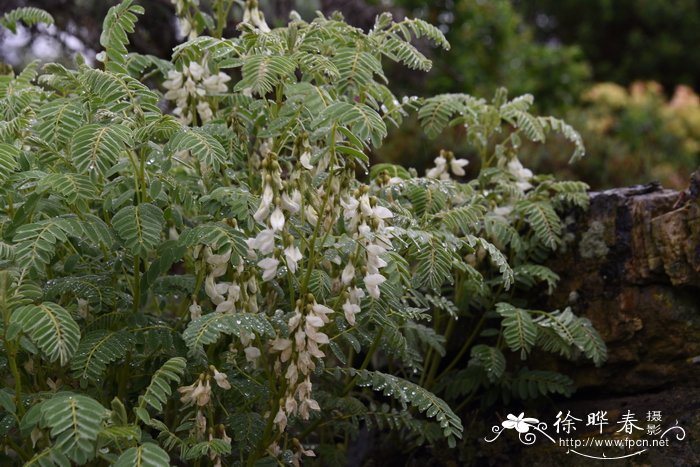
636, 275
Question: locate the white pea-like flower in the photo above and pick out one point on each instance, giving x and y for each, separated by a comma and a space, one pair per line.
292, 256
277, 219
252, 354
372, 283
269, 267
348, 274
221, 379
305, 160
457, 166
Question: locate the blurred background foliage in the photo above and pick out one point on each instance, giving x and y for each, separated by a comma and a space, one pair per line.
621, 71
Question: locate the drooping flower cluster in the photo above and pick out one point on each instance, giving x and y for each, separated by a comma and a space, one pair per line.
182, 10
366, 220
189, 87
274, 204
199, 395
446, 163
298, 352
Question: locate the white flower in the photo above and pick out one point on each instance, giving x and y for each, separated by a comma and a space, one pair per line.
195, 70
522, 425
305, 160
264, 208
521, 174
216, 83
269, 267
322, 310
195, 311
252, 354
348, 274
372, 282
457, 166
380, 212
439, 170
221, 379
185, 26
174, 80
293, 203
292, 256
350, 309
196, 393
284, 346
277, 219
204, 111
280, 420
227, 306
212, 291
264, 242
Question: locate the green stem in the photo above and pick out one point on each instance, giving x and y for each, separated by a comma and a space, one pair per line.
467, 345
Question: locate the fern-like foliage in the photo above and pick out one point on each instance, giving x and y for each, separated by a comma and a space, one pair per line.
97, 350
139, 227
27, 15
8, 160
146, 455
519, 329
203, 146
96, 147
118, 23
73, 422
159, 390
50, 327
209, 328
410, 393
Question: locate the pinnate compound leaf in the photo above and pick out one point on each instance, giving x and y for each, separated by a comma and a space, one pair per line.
97, 147
410, 393
98, 349
519, 330
159, 390
27, 15
208, 328
74, 421
146, 455
139, 227
8, 160
50, 327
207, 149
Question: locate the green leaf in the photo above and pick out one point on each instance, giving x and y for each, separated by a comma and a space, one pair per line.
139, 227
491, 359
97, 147
49, 457
434, 264
207, 149
120, 21
261, 73
208, 328
529, 384
36, 243
50, 327
159, 389
146, 455
219, 237
75, 421
544, 221
27, 15
72, 187
8, 160
519, 330
98, 349
58, 120
410, 393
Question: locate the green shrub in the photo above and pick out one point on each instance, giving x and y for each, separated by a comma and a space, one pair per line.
215, 285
